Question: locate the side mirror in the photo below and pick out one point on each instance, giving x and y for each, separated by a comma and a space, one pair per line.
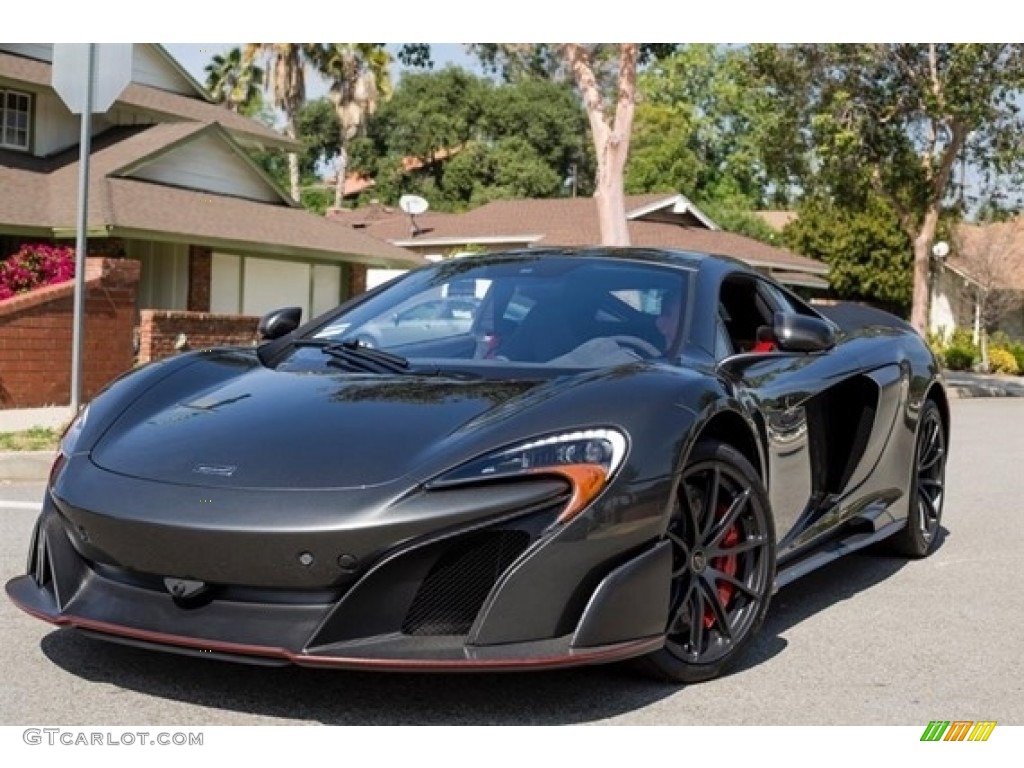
279, 322
802, 333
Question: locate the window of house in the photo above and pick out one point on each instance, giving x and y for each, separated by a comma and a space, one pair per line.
15, 113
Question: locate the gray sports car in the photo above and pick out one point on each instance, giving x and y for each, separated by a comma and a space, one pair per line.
622, 455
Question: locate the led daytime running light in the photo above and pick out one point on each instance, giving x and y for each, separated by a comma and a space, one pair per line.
587, 459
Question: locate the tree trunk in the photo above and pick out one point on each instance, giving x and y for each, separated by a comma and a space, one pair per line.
609, 195
293, 175
611, 138
342, 170
922, 261
292, 132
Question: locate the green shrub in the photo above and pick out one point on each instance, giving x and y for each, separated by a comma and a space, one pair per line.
962, 337
960, 357
937, 343
1002, 360
1017, 350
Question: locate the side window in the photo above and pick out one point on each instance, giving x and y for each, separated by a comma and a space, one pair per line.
777, 298
723, 347
744, 312
787, 301
430, 310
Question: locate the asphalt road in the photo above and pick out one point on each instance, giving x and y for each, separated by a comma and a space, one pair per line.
869, 640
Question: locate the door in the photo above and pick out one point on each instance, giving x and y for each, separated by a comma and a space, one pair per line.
802, 396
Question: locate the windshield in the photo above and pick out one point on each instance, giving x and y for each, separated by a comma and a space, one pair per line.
553, 311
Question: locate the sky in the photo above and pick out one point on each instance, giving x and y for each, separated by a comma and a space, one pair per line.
195, 56
442, 21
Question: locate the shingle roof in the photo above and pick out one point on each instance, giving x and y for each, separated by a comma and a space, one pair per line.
41, 192
198, 217
162, 103
574, 222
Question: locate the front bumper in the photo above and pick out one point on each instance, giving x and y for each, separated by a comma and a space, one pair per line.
471, 597
550, 654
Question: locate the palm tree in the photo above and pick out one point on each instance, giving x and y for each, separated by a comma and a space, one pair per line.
360, 77
286, 63
234, 82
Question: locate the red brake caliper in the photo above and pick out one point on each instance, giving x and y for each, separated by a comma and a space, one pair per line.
727, 564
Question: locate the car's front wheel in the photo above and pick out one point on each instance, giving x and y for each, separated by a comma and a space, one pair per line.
723, 571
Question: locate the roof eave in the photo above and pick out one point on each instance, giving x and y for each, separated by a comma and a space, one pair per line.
272, 249
173, 62
487, 240
680, 204
811, 268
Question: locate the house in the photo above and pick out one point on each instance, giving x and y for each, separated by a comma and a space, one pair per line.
978, 281
172, 186
655, 221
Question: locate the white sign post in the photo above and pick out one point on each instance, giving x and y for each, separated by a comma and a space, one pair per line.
88, 77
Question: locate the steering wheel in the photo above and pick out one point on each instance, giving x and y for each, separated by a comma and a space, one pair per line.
636, 343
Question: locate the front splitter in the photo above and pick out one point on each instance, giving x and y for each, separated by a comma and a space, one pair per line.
516, 656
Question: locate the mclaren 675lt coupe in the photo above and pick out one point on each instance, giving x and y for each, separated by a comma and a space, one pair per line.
614, 454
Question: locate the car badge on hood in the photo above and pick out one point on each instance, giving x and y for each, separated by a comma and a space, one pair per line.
221, 470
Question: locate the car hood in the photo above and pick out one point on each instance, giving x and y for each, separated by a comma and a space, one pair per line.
232, 422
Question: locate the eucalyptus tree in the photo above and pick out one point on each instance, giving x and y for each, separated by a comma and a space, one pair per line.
605, 75
902, 114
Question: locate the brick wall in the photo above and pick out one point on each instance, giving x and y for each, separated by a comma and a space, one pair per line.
356, 280
35, 336
159, 332
200, 271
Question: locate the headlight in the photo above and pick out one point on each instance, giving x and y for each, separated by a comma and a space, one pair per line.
587, 459
74, 431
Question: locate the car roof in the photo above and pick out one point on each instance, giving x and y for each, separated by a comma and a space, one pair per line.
666, 256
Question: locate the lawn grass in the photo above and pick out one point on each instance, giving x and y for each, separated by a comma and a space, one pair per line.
35, 439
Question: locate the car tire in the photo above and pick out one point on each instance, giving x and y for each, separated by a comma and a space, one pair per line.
723, 569
927, 486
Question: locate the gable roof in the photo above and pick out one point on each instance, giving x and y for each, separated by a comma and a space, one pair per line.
162, 105
655, 221
211, 136
46, 202
676, 209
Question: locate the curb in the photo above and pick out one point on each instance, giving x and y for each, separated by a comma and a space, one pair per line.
981, 390
26, 465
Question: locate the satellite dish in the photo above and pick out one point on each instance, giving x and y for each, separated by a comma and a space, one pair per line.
414, 205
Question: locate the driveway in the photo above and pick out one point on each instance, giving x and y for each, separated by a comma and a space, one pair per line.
869, 640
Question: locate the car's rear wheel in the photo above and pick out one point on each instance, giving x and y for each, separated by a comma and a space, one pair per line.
723, 570
928, 484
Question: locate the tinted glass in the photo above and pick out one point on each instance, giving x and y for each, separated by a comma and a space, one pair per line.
572, 312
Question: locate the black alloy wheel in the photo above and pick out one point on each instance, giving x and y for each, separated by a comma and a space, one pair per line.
723, 553
927, 488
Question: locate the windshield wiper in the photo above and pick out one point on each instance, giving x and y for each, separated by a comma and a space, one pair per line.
359, 357
362, 358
